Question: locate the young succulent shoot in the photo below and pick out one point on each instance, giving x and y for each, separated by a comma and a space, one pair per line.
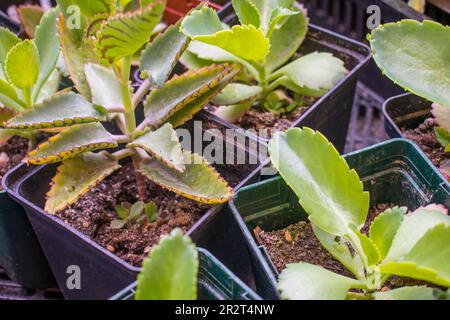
399, 243
137, 213
265, 41
104, 92
170, 271
28, 74
415, 56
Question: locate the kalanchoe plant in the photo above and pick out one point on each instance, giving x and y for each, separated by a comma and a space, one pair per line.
269, 35
102, 80
28, 73
170, 271
418, 5
139, 212
413, 245
416, 56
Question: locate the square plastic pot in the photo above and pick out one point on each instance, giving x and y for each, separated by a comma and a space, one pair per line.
20, 253
331, 113
103, 273
215, 282
395, 172
406, 111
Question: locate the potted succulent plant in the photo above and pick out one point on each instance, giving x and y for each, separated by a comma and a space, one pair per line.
337, 240
279, 86
427, 124
29, 75
115, 205
176, 263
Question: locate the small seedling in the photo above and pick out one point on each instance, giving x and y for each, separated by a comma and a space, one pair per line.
413, 245
136, 213
265, 42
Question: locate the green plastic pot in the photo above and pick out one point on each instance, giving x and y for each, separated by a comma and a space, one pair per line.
395, 172
20, 253
215, 282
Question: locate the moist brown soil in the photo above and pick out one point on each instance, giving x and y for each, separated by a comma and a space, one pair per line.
11, 153
297, 243
425, 137
93, 213
258, 119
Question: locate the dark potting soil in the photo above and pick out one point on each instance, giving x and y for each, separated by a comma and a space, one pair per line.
297, 243
93, 213
425, 138
11, 153
258, 119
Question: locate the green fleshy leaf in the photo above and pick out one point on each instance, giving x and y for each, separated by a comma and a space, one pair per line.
304, 281
339, 248
118, 224
50, 87
105, 87
236, 93
314, 73
121, 212
160, 57
237, 42
279, 17
22, 65
76, 58
62, 109
9, 97
266, 9
5, 135
208, 54
384, 228
48, 46
442, 115
427, 260
204, 21
164, 102
164, 145
366, 246
414, 227
247, 12
200, 182
332, 203
407, 293
123, 35
72, 141
136, 210
189, 110
75, 177
443, 137
415, 56
151, 210
170, 271
7, 41
29, 16
285, 41
87, 9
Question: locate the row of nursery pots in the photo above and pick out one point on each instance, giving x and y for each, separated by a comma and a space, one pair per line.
233, 264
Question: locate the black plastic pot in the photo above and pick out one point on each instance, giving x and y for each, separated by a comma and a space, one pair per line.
215, 282
103, 273
20, 253
331, 113
395, 172
349, 17
406, 111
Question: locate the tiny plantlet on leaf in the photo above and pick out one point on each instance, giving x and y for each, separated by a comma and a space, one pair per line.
415, 55
413, 245
170, 271
28, 73
265, 41
99, 58
139, 212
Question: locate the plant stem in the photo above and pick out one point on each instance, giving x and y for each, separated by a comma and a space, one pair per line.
32, 141
140, 179
122, 138
27, 96
121, 154
141, 92
130, 119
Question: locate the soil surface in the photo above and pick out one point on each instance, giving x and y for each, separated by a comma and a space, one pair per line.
297, 243
259, 119
11, 153
425, 138
93, 213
